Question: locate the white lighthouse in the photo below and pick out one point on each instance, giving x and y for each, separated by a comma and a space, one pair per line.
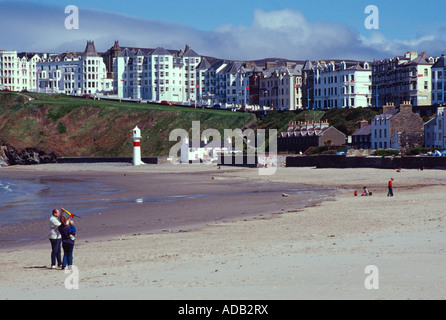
137, 147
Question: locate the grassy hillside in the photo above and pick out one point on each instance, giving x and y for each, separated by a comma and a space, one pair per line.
71, 126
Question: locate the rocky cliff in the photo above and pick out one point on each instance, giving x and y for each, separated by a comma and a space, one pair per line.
10, 156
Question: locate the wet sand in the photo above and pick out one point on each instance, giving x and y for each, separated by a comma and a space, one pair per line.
316, 252
157, 202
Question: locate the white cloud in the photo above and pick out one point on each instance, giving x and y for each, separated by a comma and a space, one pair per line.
283, 33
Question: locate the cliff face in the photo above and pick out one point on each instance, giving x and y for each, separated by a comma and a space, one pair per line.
10, 156
67, 126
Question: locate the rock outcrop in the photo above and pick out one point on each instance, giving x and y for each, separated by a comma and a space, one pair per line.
9, 156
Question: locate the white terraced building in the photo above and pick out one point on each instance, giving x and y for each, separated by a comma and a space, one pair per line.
439, 81
156, 75
403, 78
281, 88
74, 73
342, 85
18, 71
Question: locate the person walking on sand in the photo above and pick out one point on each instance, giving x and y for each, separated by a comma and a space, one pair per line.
55, 239
390, 186
68, 236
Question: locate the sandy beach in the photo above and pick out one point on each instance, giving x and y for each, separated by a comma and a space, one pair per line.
275, 247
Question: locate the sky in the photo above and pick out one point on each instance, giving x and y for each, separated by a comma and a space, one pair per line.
231, 29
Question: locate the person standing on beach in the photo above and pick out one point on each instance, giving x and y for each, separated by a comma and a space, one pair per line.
55, 239
390, 186
66, 232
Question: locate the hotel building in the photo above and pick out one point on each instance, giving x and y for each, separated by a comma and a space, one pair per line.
73, 73
342, 85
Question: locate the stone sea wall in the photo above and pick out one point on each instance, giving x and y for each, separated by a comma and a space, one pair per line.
342, 161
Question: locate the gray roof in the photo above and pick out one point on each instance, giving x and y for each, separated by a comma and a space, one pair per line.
218, 64
358, 68
161, 52
204, 64
233, 67
191, 53
90, 50
364, 131
308, 66
441, 63
126, 53
140, 53
388, 114
422, 59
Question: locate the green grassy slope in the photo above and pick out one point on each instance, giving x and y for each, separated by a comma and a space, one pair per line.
71, 126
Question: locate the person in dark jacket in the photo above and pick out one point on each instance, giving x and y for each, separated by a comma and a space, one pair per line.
67, 235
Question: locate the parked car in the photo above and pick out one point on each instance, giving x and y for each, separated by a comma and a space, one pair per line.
166, 102
217, 106
86, 96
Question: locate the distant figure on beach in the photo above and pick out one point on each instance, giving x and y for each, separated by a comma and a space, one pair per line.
55, 239
365, 192
356, 193
66, 231
390, 186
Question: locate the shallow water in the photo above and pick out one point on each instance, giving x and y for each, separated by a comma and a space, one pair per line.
35, 198
22, 200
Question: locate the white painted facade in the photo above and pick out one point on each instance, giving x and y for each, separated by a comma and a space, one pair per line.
342, 86
439, 81
18, 71
380, 135
281, 88
204, 151
73, 74
157, 76
403, 78
435, 131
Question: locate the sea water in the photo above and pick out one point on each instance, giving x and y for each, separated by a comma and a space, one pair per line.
25, 199
22, 199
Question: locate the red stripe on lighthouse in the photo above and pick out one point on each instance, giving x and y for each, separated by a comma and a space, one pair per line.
136, 144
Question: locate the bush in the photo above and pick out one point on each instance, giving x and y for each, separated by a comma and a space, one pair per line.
311, 151
386, 153
416, 151
61, 128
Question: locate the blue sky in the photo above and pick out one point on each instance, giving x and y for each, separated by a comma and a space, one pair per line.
294, 29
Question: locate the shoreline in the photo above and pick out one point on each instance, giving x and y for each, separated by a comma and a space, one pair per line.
317, 252
130, 211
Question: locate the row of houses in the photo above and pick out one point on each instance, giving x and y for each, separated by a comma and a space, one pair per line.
69, 73
186, 77
397, 127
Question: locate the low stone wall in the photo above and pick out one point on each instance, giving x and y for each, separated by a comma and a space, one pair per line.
342, 161
147, 160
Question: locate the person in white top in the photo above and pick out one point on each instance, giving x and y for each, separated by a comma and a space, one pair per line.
55, 239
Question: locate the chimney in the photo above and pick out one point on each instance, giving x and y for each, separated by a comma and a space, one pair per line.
389, 106
406, 106
363, 123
